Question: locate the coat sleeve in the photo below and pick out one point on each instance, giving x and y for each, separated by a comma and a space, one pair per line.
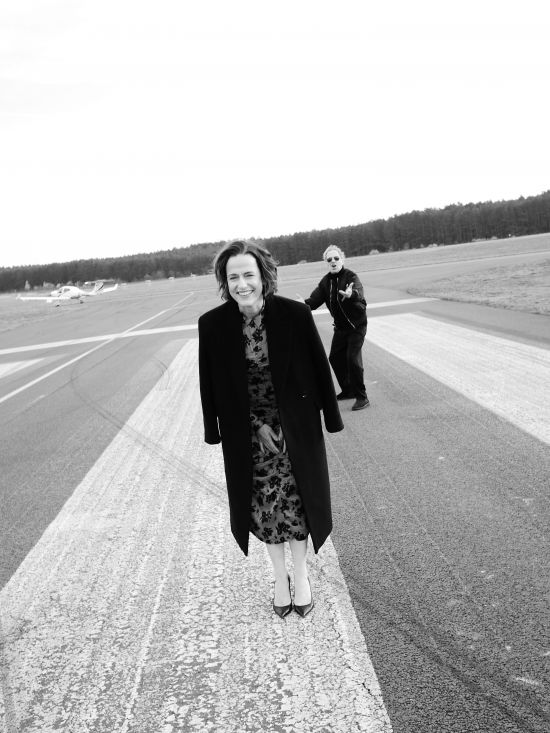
209, 414
316, 298
329, 404
357, 294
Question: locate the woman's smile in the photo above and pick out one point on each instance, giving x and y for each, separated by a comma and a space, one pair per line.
245, 283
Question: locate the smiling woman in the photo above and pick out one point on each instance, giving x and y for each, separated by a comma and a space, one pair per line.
245, 284
264, 379
235, 256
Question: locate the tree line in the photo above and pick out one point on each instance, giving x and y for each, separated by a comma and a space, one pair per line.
453, 224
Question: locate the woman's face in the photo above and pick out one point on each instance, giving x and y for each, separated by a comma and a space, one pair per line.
244, 281
334, 260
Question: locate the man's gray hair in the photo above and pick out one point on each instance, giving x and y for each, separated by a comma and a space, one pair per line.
331, 248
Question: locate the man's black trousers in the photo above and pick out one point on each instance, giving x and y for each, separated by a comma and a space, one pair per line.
347, 361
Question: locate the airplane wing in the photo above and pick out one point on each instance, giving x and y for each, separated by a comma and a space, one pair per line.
62, 297
47, 298
70, 294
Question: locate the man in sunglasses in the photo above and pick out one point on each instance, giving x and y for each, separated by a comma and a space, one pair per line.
342, 292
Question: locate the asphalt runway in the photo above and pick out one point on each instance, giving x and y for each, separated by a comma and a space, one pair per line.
125, 603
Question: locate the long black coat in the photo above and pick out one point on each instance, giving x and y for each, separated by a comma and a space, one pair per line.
303, 386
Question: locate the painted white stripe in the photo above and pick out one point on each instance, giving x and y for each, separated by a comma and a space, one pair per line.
57, 344
102, 337
137, 611
171, 329
49, 374
385, 304
133, 331
128, 332
510, 378
14, 366
403, 301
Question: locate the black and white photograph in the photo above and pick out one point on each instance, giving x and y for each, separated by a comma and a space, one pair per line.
274, 366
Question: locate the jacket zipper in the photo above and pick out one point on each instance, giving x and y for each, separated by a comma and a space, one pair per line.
340, 304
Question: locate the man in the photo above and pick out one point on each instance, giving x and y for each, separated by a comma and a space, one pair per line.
342, 292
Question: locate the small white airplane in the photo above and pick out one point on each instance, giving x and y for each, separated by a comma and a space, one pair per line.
70, 292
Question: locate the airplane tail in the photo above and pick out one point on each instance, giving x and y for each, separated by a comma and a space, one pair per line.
108, 290
99, 287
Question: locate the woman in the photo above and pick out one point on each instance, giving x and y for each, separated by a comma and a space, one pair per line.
264, 377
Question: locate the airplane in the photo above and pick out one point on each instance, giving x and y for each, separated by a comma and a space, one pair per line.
70, 292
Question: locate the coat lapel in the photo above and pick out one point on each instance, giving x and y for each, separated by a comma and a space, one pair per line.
279, 330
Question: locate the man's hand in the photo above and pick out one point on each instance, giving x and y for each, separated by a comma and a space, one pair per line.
347, 292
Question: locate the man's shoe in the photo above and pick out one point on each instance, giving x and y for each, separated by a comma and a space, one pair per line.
360, 403
344, 396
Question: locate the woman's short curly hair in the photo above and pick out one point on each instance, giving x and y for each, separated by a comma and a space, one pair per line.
332, 247
265, 260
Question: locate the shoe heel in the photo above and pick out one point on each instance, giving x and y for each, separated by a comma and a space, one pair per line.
304, 610
283, 611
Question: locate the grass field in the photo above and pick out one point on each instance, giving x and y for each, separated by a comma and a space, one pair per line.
519, 287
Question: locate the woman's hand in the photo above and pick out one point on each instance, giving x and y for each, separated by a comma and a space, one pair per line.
270, 439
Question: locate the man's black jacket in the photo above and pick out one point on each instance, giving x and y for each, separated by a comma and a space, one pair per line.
349, 314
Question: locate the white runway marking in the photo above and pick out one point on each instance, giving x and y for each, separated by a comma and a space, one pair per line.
14, 366
103, 337
168, 329
132, 331
385, 304
510, 378
403, 301
50, 373
104, 341
136, 611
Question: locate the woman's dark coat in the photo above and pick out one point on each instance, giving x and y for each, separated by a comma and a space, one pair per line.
303, 386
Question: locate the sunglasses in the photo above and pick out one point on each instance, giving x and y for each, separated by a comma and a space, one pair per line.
331, 259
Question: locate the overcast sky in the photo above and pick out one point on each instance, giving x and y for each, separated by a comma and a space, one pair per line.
130, 126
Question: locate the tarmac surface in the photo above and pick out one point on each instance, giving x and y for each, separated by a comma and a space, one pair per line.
136, 604
127, 606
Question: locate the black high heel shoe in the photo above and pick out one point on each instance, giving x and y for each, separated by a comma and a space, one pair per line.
304, 610
283, 611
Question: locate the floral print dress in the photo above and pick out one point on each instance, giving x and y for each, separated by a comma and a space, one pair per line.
277, 513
